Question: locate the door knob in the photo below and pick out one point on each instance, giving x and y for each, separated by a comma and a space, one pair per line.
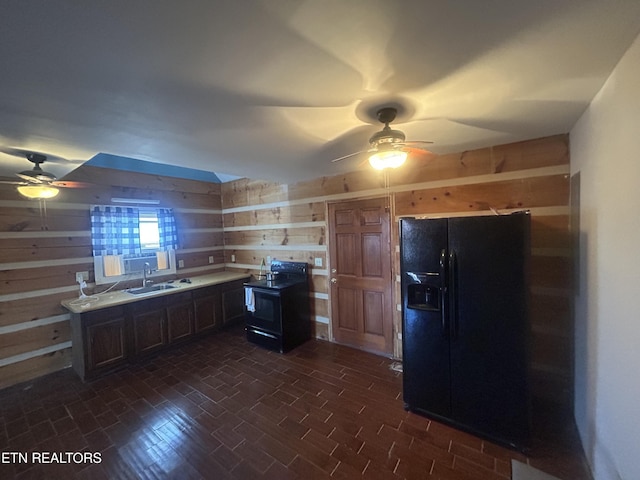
334, 280
333, 270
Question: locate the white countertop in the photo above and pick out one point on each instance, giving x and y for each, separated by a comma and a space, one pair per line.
121, 297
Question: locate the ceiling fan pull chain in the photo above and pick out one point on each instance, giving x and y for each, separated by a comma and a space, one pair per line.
43, 214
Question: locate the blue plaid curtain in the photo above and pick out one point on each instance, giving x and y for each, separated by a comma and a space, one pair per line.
167, 229
115, 230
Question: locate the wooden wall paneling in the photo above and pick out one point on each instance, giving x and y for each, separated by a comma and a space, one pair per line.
102, 195
552, 385
34, 367
198, 259
195, 239
320, 330
540, 152
254, 257
550, 351
521, 193
305, 212
44, 248
27, 219
551, 272
552, 313
550, 231
353, 182
277, 236
188, 220
244, 192
33, 308
319, 307
31, 339
246, 257
319, 283
40, 278
443, 167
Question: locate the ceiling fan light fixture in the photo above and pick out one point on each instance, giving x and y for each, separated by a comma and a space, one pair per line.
38, 191
387, 159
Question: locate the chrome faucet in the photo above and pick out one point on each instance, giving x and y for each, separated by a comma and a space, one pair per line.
146, 271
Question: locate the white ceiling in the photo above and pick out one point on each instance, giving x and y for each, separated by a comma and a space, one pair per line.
275, 89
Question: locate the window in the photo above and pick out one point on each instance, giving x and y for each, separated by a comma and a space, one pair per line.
124, 239
149, 233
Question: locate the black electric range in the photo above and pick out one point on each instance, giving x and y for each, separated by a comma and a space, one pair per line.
277, 311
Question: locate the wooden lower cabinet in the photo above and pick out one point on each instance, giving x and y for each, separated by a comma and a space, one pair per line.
106, 343
111, 337
180, 317
148, 322
99, 340
232, 303
207, 309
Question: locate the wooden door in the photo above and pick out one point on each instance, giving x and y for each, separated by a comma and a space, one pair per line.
360, 276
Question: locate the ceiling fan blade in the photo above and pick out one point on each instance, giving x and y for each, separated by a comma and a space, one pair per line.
30, 179
418, 151
71, 184
9, 182
49, 158
344, 157
417, 142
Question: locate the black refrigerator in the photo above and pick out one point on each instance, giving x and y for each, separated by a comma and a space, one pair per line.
466, 327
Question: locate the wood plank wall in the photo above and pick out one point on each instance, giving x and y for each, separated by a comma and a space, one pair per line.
288, 222
40, 255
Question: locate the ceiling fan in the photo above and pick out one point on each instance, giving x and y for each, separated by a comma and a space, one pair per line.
388, 148
36, 183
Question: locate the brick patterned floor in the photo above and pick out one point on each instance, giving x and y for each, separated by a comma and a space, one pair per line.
221, 408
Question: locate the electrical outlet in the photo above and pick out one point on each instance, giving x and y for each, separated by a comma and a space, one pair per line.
233, 258
268, 259
211, 259
82, 277
180, 263
318, 261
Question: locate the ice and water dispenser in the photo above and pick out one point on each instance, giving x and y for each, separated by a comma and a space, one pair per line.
423, 292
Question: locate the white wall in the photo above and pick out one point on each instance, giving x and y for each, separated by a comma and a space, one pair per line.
605, 150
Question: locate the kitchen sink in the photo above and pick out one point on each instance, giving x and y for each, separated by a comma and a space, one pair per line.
149, 289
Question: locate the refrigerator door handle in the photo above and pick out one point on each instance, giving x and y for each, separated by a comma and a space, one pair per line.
443, 290
453, 295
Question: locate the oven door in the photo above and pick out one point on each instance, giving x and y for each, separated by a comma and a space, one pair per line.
268, 312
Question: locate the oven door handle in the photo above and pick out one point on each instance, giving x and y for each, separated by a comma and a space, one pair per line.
259, 332
264, 291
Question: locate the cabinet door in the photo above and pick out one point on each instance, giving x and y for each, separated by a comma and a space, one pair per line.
233, 304
208, 309
148, 322
179, 320
105, 343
